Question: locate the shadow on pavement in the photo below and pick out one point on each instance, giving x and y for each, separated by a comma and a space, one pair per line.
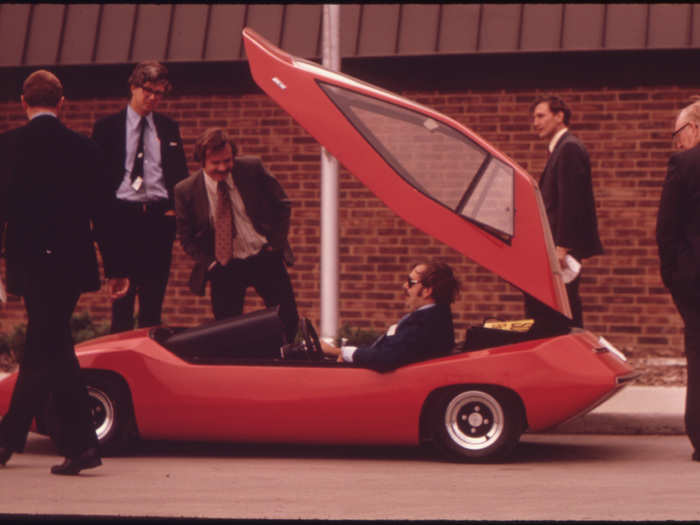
537, 449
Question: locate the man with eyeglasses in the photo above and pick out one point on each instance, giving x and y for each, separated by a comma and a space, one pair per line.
145, 159
424, 333
678, 238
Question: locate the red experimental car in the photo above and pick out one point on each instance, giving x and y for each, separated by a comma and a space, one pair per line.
227, 380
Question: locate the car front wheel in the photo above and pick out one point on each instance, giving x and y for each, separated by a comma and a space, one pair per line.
110, 410
473, 424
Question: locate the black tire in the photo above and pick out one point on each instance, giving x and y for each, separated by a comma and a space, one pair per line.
111, 411
477, 423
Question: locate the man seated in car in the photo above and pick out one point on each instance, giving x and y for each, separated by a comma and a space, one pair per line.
424, 333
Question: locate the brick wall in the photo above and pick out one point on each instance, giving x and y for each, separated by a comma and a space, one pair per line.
627, 132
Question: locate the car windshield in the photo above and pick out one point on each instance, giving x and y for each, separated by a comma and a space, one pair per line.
434, 158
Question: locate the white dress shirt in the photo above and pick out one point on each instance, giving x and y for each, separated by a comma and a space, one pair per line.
555, 139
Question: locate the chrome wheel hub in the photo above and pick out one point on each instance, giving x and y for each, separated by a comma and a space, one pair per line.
101, 412
474, 420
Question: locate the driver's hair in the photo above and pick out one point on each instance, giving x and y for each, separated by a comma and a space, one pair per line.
439, 277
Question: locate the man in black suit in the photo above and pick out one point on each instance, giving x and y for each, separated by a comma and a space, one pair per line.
144, 160
424, 333
50, 190
678, 238
233, 219
567, 192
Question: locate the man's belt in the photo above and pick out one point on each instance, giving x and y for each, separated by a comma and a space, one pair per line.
158, 207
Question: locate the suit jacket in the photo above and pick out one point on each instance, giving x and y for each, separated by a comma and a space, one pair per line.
567, 192
110, 134
678, 225
50, 191
265, 202
423, 334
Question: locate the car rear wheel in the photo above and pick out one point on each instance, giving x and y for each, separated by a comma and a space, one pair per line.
473, 424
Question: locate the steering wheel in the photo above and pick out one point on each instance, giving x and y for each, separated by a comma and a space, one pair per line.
311, 343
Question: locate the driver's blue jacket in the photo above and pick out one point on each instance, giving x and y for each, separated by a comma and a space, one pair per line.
423, 334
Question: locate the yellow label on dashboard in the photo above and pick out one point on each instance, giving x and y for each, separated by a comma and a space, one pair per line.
520, 325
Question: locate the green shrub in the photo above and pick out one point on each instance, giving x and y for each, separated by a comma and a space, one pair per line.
6, 359
356, 336
83, 328
12, 346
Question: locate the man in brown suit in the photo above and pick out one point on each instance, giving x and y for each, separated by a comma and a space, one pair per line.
233, 219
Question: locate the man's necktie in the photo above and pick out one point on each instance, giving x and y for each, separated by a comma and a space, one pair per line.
224, 229
137, 168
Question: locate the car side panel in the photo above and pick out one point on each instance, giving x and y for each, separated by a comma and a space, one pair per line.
555, 379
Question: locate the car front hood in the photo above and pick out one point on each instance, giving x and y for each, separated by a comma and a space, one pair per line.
432, 171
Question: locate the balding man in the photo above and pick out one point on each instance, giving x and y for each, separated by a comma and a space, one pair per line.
678, 238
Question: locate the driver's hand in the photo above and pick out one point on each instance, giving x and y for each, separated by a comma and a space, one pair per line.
329, 349
340, 358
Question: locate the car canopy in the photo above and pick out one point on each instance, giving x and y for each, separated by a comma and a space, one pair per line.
431, 170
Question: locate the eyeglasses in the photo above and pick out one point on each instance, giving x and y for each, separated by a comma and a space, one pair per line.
411, 282
675, 133
160, 93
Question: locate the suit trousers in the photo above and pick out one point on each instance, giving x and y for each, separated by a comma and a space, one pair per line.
267, 274
150, 240
689, 308
49, 367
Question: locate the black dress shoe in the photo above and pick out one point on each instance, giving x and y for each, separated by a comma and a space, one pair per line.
5, 454
72, 466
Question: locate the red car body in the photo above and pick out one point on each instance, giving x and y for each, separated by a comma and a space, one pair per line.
474, 403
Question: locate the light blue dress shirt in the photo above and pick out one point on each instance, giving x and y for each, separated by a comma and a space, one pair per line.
153, 186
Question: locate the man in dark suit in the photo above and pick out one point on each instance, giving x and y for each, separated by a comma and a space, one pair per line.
426, 332
678, 238
233, 219
144, 160
567, 192
50, 190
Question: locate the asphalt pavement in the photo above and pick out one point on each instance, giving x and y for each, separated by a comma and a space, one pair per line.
633, 410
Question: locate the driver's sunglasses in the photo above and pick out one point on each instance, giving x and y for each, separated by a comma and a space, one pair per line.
411, 282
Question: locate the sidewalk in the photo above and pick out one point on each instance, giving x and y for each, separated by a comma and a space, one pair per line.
634, 410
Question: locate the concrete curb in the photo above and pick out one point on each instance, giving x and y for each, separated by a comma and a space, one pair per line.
633, 410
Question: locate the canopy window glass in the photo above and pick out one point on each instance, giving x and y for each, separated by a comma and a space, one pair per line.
434, 158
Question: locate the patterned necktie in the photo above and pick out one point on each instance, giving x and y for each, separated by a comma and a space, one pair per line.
224, 228
137, 168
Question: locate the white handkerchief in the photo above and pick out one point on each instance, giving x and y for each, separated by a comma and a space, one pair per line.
392, 329
571, 270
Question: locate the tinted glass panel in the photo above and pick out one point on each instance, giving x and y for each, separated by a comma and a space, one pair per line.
435, 158
491, 202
